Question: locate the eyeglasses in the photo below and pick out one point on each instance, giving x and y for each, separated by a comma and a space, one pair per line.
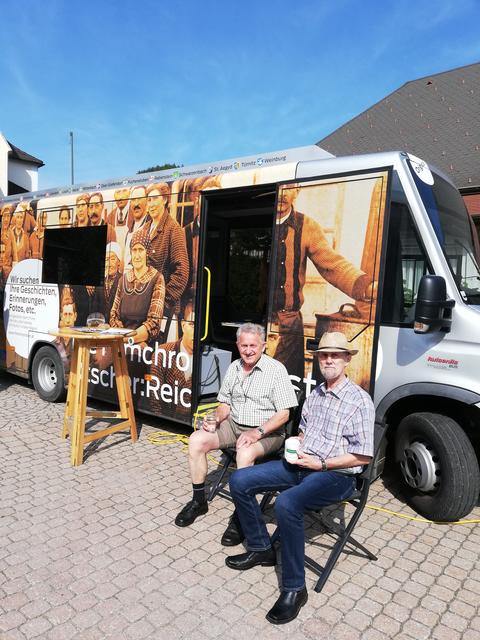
334, 355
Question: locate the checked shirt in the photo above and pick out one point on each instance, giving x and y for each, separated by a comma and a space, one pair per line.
338, 421
255, 398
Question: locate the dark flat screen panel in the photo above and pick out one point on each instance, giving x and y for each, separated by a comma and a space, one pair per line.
75, 256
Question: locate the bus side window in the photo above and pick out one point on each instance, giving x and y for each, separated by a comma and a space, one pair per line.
406, 263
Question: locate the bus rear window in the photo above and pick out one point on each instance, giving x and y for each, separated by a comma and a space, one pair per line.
75, 255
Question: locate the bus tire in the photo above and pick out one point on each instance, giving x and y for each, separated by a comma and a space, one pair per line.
48, 374
438, 466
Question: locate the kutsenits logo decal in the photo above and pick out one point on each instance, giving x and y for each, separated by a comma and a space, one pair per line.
442, 363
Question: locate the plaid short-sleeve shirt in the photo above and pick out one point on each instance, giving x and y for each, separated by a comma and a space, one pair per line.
255, 398
338, 421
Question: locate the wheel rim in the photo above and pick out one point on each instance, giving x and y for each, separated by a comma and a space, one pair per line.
47, 374
420, 466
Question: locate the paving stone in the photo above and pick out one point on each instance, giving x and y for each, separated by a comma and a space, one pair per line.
83, 602
65, 631
454, 621
35, 627
86, 619
13, 602
357, 620
425, 616
417, 589
416, 630
442, 632
368, 606
330, 614
343, 631
463, 609
372, 634
11, 620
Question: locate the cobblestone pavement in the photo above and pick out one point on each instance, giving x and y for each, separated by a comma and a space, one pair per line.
91, 552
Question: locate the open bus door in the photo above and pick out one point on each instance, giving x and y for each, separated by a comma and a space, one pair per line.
234, 258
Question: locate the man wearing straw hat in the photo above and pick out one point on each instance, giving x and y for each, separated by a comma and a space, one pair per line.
336, 440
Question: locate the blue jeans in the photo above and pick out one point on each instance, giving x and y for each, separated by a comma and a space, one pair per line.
301, 489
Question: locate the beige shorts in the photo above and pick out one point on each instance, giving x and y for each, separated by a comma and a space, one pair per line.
229, 431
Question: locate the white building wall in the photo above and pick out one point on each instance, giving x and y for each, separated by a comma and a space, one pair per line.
4, 149
23, 174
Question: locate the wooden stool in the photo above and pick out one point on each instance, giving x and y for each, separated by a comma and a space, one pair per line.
76, 411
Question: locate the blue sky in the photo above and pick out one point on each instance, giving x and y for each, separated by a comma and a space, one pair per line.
148, 81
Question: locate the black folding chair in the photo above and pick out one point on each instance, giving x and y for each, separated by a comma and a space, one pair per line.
344, 534
229, 454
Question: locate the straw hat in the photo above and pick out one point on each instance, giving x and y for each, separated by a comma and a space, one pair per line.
334, 341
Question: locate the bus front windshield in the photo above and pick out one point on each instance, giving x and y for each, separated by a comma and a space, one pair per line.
450, 220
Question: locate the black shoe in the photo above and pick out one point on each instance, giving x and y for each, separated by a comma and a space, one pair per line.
233, 534
287, 607
190, 513
251, 559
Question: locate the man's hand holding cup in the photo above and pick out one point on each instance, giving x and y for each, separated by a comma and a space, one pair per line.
292, 447
210, 422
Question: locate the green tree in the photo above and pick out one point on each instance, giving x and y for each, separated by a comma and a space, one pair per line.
160, 167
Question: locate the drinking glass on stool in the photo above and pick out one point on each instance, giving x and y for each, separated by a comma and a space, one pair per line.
95, 319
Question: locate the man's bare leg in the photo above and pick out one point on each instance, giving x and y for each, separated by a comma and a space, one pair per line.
199, 445
246, 456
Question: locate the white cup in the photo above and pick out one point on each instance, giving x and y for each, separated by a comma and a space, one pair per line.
292, 445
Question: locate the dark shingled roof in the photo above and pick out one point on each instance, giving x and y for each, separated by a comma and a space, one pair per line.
436, 118
23, 156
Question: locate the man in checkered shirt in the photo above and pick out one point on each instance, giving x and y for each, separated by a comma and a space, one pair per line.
336, 440
255, 398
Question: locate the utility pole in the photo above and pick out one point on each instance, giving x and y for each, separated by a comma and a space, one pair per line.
71, 156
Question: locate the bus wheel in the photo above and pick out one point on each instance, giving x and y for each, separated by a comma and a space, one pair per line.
48, 375
438, 466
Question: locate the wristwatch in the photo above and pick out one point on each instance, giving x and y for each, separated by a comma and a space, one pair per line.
261, 431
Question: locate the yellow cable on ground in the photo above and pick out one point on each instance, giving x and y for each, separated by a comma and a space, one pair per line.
165, 437
405, 517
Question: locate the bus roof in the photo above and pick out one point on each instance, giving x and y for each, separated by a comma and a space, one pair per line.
272, 158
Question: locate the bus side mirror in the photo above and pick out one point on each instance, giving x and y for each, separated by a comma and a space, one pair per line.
433, 311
